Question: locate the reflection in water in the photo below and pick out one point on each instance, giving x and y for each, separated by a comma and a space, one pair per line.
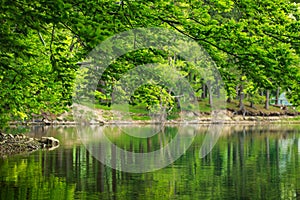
109, 145
246, 163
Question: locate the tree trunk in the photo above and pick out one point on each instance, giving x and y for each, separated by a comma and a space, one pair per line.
277, 96
237, 92
241, 95
241, 103
210, 94
229, 100
251, 104
163, 108
267, 99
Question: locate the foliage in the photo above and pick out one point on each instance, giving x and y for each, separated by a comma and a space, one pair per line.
42, 42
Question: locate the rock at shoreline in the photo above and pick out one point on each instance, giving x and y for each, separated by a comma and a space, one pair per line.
16, 144
49, 142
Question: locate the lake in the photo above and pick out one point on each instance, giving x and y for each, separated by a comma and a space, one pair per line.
245, 162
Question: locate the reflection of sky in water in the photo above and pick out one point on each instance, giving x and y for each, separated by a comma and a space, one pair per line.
286, 148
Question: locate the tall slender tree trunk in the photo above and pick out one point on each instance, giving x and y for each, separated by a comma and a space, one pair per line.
242, 96
210, 94
267, 99
241, 103
237, 90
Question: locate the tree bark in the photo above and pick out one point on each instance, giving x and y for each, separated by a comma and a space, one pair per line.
241, 103
251, 104
267, 99
242, 96
210, 94
237, 92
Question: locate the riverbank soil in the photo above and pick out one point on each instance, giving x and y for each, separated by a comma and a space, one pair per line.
17, 144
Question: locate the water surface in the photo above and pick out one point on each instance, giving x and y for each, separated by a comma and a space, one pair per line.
250, 162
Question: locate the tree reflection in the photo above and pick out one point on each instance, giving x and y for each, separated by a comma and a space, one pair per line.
246, 163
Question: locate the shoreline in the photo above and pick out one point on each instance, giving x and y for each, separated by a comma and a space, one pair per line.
22, 144
237, 119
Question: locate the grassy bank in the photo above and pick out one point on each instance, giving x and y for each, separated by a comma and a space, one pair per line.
130, 114
140, 112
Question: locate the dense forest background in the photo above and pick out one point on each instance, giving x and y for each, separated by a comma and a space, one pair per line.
254, 43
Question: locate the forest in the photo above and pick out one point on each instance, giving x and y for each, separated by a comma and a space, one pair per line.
255, 45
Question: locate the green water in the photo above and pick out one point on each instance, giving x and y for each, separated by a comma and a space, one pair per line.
251, 162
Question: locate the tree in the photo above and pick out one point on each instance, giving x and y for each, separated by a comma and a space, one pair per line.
37, 69
41, 42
